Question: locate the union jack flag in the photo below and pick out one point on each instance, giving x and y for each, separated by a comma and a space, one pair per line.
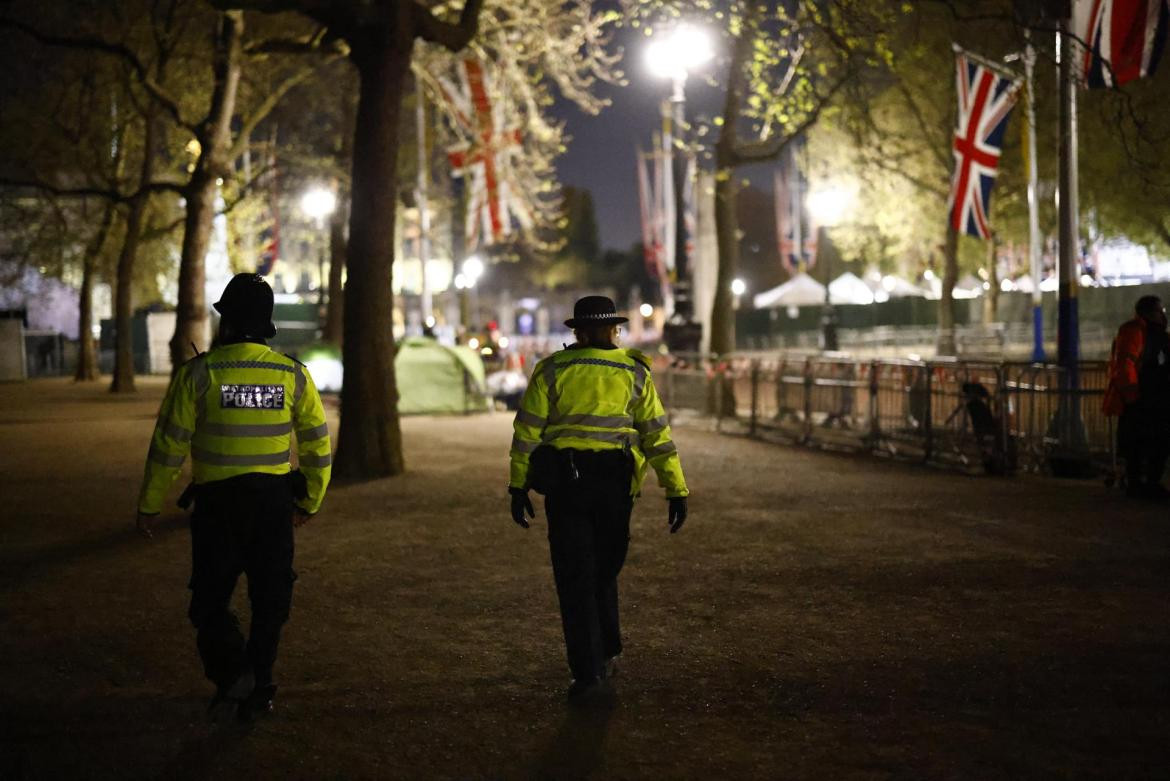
986, 98
485, 158
1121, 40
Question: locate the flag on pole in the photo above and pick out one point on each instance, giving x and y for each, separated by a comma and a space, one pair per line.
270, 234
796, 242
646, 206
780, 200
485, 159
986, 98
1120, 40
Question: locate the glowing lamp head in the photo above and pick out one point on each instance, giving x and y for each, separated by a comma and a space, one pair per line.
646, 310
675, 54
738, 287
318, 203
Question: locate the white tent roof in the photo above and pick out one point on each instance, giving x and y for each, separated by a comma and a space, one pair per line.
850, 289
968, 286
801, 290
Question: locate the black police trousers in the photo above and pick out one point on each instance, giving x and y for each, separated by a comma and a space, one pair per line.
241, 525
589, 535
1142, 434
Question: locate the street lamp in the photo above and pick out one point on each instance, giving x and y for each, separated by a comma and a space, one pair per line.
318, 203
470, 273
738, 288
674, 55
828, 205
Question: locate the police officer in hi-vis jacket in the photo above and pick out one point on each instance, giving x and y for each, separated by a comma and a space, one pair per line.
235, 410
589, 424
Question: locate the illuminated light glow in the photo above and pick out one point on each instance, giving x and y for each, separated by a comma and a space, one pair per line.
738, 286
829, 204
318, 203
881, 297
1006, 285
503, 342
928, 275
473, 343
1086, 279
430, 321
486, 351
472, 270
646, 310
673, 55
460, 282
888, 284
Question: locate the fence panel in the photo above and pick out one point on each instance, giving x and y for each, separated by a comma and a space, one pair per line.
977, 415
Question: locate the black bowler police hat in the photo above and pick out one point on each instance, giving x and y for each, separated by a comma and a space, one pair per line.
247, 303
595, 310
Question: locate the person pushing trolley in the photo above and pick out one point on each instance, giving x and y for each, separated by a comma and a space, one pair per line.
234, 409
589, 425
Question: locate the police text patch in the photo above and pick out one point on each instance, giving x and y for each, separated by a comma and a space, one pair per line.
251, 396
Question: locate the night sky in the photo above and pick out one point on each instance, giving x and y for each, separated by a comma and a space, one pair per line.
602, 149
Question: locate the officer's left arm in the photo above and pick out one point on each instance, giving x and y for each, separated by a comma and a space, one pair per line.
655, 442
314, 452
170, 444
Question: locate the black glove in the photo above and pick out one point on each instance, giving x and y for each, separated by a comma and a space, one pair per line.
521, 504
677, 515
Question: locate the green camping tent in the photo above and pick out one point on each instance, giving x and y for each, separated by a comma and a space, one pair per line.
434, 378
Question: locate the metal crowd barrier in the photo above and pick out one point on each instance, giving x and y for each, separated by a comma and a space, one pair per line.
998, 417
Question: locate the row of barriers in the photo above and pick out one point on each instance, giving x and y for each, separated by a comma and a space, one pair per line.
995, 416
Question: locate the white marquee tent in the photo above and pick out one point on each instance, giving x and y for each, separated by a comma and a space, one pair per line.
801, 290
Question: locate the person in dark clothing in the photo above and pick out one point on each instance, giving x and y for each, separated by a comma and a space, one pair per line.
1139, 394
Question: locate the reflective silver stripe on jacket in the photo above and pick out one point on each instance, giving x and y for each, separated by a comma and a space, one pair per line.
581, 433
602, 421
661, 450
309, 459
222, 459
530, 418
310, 434
299, 386
177, 432
596, 362
520, 446
201, 380
280, 367
246, 429
550, 379
165, 459
652, 426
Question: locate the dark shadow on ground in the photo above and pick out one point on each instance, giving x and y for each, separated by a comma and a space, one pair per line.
576, 750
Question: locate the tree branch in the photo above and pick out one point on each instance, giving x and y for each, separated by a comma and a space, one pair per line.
762, 151
270, 102
93, 43
452, 37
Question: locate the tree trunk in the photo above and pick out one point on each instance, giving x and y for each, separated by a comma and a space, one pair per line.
87, 370
370, 440
991, 297
332, 333
946, 302
87, 364
726, 239
123, 380
201, 192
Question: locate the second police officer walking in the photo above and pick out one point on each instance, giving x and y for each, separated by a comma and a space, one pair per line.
235, 409
589, 425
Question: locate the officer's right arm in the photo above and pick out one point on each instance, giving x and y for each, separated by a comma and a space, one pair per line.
314, 452
655, 441
170, 444
528, 426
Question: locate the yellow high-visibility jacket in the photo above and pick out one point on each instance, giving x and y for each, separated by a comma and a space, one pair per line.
234, 409
593, 399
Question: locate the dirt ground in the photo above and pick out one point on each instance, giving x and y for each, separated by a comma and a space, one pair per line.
820, 616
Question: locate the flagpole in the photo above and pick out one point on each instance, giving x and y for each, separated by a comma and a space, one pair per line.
1033, 206
1071, 456
424, 213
